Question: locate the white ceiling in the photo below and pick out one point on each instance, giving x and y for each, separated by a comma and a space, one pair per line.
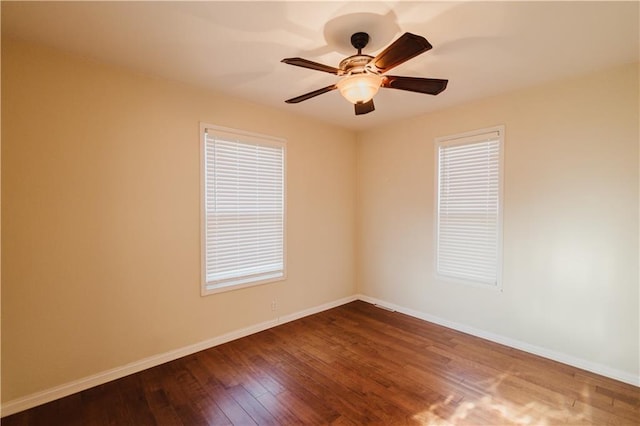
483, 48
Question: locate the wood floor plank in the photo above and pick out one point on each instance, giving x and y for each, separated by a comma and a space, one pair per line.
352, 365
316, 391
185, 395
352, 405
298, 393
252, 406
163, 412
307, 414
133, 401
204, 372
234, 356
156, 397
284, 414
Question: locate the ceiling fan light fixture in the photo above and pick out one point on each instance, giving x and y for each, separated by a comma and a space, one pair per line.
359, 88
362, 74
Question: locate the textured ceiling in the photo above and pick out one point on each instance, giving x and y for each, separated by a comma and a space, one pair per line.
483, 48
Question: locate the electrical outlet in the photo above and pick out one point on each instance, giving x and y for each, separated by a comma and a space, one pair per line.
274, 305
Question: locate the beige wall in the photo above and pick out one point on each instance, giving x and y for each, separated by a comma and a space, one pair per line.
570, 218
100, 213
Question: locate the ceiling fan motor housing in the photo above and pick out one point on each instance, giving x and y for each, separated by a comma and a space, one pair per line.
355, 64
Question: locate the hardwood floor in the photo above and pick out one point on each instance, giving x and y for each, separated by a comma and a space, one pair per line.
352, 365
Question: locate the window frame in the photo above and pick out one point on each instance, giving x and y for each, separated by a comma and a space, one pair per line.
474, 136
249, 138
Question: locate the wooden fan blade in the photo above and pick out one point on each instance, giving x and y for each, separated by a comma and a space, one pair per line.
305, 63
311, 94
431, 86
401, 50
364, 107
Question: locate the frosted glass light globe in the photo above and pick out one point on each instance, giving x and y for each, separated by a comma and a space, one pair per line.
358, 88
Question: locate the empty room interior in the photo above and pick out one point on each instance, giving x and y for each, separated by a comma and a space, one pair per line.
206, 219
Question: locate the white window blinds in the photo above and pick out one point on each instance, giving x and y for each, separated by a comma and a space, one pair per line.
244, 209
469, 207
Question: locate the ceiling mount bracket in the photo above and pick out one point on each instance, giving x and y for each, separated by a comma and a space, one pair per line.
359, 41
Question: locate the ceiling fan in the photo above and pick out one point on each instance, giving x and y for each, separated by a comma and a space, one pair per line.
362, 74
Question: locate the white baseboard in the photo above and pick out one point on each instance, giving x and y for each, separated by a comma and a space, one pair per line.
66, 389
593, 367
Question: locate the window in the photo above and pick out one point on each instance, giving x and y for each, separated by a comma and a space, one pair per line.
469, 207
243, 209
